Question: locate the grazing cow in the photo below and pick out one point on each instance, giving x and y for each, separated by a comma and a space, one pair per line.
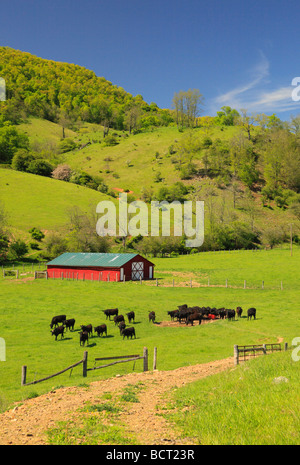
111, 312
184, 313
57, 319
122, 325
151, 316
118, 319
58, 331
128, 332
193, 317
230, 314
182, 307
239, 311
173, 314
87, 328
251, 313
130, 316
222, 313
69, 324
83, 336
100, 330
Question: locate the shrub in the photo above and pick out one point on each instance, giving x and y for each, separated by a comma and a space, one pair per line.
18, 249
62, 172
40, 167
21, 160
66, 145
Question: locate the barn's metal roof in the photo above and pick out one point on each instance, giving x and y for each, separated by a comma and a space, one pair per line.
92, 259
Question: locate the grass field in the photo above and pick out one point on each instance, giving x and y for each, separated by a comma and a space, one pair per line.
36, 201
258, 403
28, 306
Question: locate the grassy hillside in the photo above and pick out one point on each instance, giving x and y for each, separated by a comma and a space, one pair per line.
145, 162
36, 201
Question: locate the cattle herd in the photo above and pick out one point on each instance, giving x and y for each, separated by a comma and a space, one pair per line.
191, 314
62, 324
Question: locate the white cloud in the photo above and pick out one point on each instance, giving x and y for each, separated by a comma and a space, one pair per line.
255, 97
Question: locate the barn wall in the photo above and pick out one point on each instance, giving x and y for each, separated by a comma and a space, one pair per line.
90, 274
146, 267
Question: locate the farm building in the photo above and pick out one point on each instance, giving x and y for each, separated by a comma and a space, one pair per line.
101, 266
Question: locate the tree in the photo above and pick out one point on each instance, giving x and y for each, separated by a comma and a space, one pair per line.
132, 118
10, 141
83, 236
36, 234
21, 160
187, 105
62, 172
18, 249
227, 116
246, 122
40, 167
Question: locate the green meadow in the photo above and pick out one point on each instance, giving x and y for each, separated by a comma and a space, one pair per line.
27, 307
37, 201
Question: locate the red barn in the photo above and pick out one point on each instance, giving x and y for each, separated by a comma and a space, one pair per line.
101, 267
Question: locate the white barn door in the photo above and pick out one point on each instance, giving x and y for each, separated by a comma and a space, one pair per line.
137, 271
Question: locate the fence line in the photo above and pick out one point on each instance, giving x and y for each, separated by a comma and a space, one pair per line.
253, 350
85, 368
244, 283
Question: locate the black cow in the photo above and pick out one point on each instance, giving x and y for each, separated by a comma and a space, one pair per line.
69, 323
100, 330
87, 328
57, 319
83, 336
111, 312
193, 317
239, 311
230, 314
58, 331
222, 313
184, 313
128, 332
130, 316
151, 316
122, 325
251, 313
173, 314
182, 307
118, 319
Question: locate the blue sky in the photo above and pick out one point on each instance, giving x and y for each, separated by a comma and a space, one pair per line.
237, 53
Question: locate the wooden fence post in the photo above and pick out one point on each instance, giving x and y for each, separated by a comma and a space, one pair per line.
264, 349
236, 354
84, 363
23, 378
154, 358
285, 346
145, 356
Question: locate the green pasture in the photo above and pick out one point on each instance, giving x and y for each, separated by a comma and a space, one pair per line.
259, 268
37, 201
28, 306
255, 404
